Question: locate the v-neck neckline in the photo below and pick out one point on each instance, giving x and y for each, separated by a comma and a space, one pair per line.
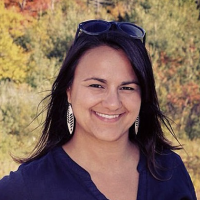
85, 177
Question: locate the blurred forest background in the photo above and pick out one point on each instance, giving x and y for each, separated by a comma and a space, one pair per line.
36, 34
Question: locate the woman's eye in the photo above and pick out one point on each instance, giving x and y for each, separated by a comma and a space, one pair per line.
127, 88
95, 86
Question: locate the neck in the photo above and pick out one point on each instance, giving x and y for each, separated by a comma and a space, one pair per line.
97, 154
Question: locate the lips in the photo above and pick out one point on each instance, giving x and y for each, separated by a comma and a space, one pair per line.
107, 116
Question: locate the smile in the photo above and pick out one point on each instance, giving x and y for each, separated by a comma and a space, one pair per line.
107, 116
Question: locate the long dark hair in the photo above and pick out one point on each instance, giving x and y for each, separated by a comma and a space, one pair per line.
150, 137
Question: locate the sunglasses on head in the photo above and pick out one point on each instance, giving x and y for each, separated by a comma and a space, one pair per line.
97, 27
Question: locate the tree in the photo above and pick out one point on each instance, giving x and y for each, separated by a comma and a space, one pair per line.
55, 30
13, 58
98, 4
173, 41
30, 7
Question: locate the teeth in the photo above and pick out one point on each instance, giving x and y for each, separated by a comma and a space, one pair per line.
107, 116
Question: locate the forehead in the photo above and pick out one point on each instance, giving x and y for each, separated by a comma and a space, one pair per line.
105, 62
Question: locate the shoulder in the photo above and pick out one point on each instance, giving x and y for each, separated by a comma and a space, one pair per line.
17, 185
39, 166
168, 179
175, 173
169, 158
42, 170
170, 162
12, 187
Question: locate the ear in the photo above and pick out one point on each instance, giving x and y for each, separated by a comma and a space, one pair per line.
68, 92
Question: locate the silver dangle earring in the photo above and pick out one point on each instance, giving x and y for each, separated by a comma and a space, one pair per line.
137, 121
70, 119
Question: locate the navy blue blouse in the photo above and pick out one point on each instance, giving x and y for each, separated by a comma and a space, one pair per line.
56, 176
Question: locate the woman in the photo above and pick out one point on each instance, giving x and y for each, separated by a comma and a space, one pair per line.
102, 138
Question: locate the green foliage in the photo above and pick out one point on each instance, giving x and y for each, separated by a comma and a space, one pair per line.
13, 59
49, 38
18, 109
173, 41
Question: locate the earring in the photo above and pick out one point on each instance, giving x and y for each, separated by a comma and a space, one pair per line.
137, 121
70, 119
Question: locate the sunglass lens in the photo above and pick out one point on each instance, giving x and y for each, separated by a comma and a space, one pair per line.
132, 30
95, 27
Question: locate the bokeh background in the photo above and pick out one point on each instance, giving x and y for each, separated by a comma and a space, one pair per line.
36, 34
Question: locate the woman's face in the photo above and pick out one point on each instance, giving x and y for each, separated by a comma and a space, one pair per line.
105, 95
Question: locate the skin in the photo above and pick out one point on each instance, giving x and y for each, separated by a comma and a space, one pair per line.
106, 99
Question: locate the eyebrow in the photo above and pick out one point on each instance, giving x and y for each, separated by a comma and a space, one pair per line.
130, 82
96, 79
104, 81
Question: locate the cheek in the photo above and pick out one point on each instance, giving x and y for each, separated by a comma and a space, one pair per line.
135, 108
132, 102
82, 99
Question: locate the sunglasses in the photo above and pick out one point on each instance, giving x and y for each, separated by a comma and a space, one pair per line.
97, 27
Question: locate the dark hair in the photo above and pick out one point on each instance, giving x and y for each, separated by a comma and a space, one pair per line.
150, 137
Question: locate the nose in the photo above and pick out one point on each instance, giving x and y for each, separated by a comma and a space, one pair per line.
112, 101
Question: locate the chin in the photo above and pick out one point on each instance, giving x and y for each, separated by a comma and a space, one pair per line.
111, 137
